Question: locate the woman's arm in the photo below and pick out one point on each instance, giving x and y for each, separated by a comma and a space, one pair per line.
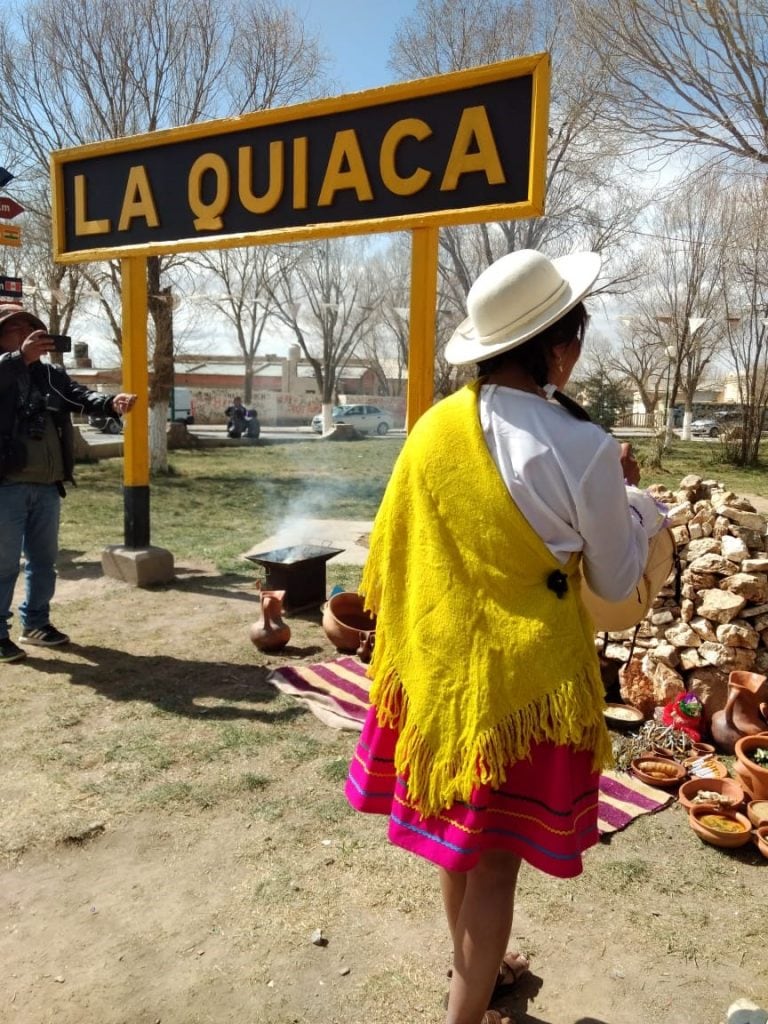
615, 536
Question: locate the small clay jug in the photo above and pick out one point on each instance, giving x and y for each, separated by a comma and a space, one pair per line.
367, 640
742, 715
270, 633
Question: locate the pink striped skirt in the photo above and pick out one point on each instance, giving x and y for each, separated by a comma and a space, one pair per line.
546, 811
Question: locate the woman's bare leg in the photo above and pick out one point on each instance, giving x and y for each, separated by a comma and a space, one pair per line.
453, 885
480, 933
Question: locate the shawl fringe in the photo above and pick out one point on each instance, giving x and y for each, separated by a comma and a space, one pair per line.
569, 715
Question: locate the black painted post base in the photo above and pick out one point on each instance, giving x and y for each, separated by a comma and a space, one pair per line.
136, 516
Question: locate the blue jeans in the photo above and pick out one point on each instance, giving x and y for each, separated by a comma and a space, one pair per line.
29, 525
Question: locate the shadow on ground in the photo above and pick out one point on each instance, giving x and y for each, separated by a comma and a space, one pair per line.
172, 684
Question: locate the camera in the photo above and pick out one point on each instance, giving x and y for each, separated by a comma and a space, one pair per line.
34, 416
61, 342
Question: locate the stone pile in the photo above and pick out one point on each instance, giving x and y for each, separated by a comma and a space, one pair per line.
715, 619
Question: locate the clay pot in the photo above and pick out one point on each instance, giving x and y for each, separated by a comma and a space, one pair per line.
270, 633
742, 714
752, 776
670, 773
622, 717
365, 650
727, 789
757, 812
344, 619
699, 749
705, 766
761, 839
713, 836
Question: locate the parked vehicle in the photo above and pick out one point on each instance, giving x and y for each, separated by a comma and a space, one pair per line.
181, 408
365, 418
722, 422
705, 428
106, 424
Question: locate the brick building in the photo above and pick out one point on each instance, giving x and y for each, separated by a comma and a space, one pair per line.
284, 390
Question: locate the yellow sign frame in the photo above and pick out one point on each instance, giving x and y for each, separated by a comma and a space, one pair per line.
170, 141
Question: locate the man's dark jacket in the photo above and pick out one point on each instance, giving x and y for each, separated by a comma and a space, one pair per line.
19, 383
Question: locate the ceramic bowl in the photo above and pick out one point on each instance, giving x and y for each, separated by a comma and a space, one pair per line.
699, 749
657, 771
727, 840
761, 839
622, 717
713, 766
726, 789
344, 619
757, 812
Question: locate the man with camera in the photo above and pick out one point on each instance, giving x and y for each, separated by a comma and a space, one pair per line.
36, 459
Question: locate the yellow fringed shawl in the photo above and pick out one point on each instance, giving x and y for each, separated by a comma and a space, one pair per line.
476, 657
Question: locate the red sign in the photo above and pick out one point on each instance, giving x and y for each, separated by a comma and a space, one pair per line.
9, 208
11, 288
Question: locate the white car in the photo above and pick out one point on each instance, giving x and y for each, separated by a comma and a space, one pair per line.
705, 428
368, 419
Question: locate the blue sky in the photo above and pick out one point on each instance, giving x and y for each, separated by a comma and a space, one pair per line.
357, 33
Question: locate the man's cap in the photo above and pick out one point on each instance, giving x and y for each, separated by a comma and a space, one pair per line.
11, 312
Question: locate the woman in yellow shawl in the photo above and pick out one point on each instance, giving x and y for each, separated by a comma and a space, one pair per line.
486, 736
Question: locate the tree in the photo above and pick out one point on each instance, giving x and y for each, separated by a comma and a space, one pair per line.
640, 362
745, 289
249, 278
77, 71
385, 343
587, 204
604, 397
683, 72
681, 306
325, 296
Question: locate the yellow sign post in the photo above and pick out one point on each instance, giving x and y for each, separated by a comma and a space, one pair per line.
461, 148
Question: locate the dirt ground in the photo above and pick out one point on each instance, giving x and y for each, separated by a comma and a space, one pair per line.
174, 833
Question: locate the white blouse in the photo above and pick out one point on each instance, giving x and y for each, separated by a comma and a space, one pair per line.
565, 477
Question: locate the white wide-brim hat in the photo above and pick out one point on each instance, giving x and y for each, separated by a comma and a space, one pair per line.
516, 298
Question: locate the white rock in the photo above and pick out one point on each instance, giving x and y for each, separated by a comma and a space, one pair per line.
738, 636
681, 535
666, 654
697, 548
755, 565
680, 514
752, 520
682, 635
719, 605
734, 548
704, 628
695, 530
752, 586
712, 563
689, 659
617, 652
726, 657
662, 618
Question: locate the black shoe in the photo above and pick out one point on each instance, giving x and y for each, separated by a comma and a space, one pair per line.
46, 636
9, 651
